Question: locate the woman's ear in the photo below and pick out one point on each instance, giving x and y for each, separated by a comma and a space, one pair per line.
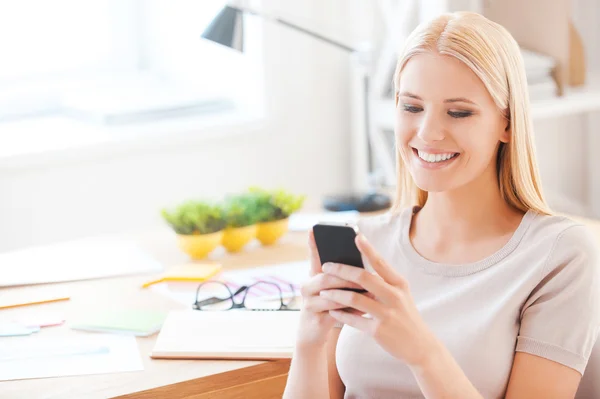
506, 134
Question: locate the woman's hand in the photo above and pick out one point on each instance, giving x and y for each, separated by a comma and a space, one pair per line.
394, 322
315, 321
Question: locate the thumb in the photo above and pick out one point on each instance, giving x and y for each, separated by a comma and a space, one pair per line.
315, 260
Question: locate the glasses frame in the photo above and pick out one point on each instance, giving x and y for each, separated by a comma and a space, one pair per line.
197, 305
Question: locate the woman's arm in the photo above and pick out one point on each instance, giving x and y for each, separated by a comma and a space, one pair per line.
313, 372
531, 377
336, 386
439, 376
535, 377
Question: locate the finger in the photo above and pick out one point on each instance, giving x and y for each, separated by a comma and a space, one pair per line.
318, 304
315, 261
370, 295
324, 281
352, 311
355, 300
371, 282
380, 266
351, 319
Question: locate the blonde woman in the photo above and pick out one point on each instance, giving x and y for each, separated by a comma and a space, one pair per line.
475, 290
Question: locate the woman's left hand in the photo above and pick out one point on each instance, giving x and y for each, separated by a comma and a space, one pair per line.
395, 322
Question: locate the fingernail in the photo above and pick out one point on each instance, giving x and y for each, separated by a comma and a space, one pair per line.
327, 267
362, 238
325, 293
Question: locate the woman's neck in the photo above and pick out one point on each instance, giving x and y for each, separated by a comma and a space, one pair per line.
468, 212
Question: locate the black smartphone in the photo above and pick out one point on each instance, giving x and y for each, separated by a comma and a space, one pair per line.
336, 244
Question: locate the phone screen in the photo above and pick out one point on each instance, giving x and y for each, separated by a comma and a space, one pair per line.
335, 243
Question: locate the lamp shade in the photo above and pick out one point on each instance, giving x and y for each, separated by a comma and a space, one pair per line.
227, 28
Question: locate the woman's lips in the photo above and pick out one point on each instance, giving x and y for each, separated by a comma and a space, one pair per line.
437, 164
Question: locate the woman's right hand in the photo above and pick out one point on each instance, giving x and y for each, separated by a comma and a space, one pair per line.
315, 321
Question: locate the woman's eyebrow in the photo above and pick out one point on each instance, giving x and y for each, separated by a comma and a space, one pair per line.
450, 100
409, 94
459, 100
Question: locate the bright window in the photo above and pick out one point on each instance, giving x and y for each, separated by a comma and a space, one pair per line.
118, 60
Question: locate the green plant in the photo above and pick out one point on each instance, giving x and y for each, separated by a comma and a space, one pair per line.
241, 210
195, 217
275, 205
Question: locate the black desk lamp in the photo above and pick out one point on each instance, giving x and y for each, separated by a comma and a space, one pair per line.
227, 29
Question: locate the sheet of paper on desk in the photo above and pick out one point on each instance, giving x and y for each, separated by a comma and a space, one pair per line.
43, 356
295, 273
234, 334
75, 260
303, 221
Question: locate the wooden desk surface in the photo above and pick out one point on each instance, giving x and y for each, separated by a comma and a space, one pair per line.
103, 293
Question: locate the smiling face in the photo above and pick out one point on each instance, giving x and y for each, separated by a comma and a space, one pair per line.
448, 127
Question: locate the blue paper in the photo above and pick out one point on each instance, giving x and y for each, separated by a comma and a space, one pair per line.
15, 329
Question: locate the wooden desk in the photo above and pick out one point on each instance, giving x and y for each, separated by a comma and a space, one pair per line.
160, 378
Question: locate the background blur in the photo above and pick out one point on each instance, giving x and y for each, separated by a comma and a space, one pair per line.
113, 109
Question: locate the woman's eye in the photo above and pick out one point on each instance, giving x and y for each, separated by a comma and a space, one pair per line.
412, 108
460, 114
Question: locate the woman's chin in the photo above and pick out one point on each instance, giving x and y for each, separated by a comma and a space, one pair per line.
432, 185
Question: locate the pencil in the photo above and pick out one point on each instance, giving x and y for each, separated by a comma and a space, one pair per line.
38, 302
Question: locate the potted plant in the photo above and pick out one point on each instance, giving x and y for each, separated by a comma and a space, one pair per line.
240, 217
273, 210
199, 226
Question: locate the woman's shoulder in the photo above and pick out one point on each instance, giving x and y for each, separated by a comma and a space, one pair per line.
566, 238
555, 227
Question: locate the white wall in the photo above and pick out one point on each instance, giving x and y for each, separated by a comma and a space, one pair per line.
560, 144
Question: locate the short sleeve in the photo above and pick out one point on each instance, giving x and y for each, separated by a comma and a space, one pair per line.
561, 318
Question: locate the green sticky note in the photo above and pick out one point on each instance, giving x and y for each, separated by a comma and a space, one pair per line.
140, 323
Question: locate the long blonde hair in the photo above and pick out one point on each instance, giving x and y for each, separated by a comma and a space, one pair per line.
492, 53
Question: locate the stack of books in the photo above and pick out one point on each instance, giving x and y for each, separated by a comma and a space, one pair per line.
539, 68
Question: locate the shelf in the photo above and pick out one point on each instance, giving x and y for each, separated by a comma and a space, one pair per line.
577, 100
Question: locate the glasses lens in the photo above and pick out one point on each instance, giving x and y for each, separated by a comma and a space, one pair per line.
263, 296
214, 295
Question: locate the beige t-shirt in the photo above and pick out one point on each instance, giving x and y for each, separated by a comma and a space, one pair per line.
539, 294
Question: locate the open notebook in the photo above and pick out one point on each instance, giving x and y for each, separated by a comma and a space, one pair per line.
232, 334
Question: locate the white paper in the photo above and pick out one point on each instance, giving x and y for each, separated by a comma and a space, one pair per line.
303, 221
44, 355
193, 332
295, 273
75, 260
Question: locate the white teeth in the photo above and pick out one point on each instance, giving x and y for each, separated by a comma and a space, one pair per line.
434, 157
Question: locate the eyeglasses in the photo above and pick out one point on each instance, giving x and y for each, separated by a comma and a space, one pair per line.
259, 296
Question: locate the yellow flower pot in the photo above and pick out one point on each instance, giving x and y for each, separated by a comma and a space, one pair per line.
269, 232
235, 238
198, 246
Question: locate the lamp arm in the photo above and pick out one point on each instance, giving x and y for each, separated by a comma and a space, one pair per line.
296, 27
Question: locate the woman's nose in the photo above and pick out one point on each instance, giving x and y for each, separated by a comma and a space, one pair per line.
430, 129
